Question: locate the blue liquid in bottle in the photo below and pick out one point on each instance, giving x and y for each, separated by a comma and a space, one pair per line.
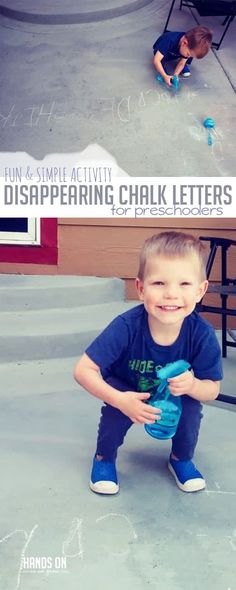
170, 405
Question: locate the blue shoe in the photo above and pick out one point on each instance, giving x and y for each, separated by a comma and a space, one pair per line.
104, 478
187, 477
186, 72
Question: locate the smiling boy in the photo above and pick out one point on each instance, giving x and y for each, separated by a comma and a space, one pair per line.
164, 328
182, 47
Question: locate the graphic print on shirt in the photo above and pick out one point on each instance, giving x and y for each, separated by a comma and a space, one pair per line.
145, 374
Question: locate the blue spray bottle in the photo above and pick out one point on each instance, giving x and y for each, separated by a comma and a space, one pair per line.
170, 405
174, 81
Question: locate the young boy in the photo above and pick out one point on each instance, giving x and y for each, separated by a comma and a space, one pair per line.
163, 329
182, 47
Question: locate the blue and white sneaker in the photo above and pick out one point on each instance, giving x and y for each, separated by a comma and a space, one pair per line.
187, 477
104, 478
186, 72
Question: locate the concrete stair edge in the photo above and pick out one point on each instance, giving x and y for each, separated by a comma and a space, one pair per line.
37, 377
49, 292
54, 338
60, 321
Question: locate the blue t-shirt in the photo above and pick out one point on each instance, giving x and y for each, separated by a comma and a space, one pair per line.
168, 45
126, 349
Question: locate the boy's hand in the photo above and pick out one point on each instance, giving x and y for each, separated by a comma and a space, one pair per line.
183, 384
132, 405
180, 66
168, 80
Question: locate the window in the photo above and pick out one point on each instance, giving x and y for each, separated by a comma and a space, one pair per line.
19, 231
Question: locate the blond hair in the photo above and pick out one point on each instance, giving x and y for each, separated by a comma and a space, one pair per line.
172, 245
199, 39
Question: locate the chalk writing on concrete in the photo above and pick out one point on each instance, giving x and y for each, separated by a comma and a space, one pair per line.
232, 540
28, 539
31, 116
198, 133
133, 533
123, 108
217, 485
207, 491
204, 534
78, 533
73, 547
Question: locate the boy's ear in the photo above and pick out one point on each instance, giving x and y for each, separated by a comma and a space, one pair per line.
139, 287
202, 290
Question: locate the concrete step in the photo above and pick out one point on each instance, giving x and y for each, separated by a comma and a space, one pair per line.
24, 379
37, 377
54, 333
27, 292
68, 20
74, 11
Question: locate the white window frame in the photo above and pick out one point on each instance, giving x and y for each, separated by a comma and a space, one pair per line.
29, 238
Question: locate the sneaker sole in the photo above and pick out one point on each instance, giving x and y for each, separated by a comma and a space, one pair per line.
193, 485
186, 75
104, 487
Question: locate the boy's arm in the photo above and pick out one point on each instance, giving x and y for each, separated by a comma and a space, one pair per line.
130, 403
203, 390
180, 66
159, 67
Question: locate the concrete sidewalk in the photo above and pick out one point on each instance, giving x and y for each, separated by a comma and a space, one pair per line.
66, 86
151, 536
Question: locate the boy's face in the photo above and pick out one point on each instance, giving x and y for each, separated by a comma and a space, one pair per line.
184, 49
171, 288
